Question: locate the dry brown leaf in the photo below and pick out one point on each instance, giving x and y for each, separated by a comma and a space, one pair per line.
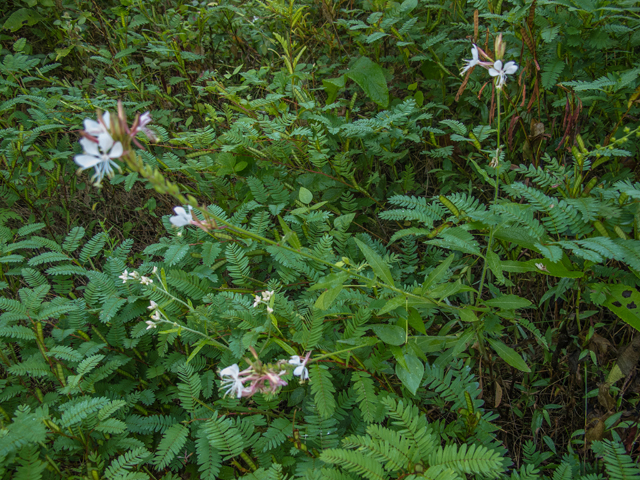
604, 398
498, 399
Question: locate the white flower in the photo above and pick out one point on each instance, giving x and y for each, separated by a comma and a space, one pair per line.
257, 301
182, 217
152, 306
231, 381
269, 310
540, 266
473, 62
156, 315
501, 72
98, 129
300, 370
99, 156
145, 280
124, 276
151, 324
266, 295
155, 270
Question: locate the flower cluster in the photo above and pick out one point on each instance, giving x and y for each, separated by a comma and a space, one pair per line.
496, 68
155, 316
261, 378
265, 298
107, 139
126, 276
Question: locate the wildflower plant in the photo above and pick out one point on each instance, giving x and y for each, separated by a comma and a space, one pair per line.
374, 288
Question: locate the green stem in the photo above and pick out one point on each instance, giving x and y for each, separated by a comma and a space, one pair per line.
495, 202
333, 354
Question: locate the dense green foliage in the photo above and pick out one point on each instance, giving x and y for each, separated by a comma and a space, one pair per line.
460, 259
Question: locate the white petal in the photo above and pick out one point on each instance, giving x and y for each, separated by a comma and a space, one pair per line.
180, 211
145, 119
510, 68
106, 118
295, 360
474, 53
493, 72
301, 372
116, 150
498, 65
231, 371
92, 127
178, 221
106, 142
89, 147
87, 161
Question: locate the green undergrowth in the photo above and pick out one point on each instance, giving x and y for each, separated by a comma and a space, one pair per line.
460, 261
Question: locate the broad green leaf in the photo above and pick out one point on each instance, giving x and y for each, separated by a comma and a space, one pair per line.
516, 235
391, 334
493, 261
395, 302
508, 302
416, 322
411, 377
332, 86
408, 5
370, 77
467, 315
438, 273
557, 269
330, 281
517, 267
325, 300
435, 344
380, 268
305, 196
22, 17
464, 340
624, 301
509, 355
398, 354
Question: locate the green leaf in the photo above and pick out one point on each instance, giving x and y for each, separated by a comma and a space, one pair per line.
305, 196
408, 5
508, 302
395, 302
322, 389
332, 86
624, 301
416, 322
391, 334
380, 268
325, 300
551, 72
370, 77
411, 377
175, 253
330, 281
467, 315
493, 261
509, 355
20, 18
438, 273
